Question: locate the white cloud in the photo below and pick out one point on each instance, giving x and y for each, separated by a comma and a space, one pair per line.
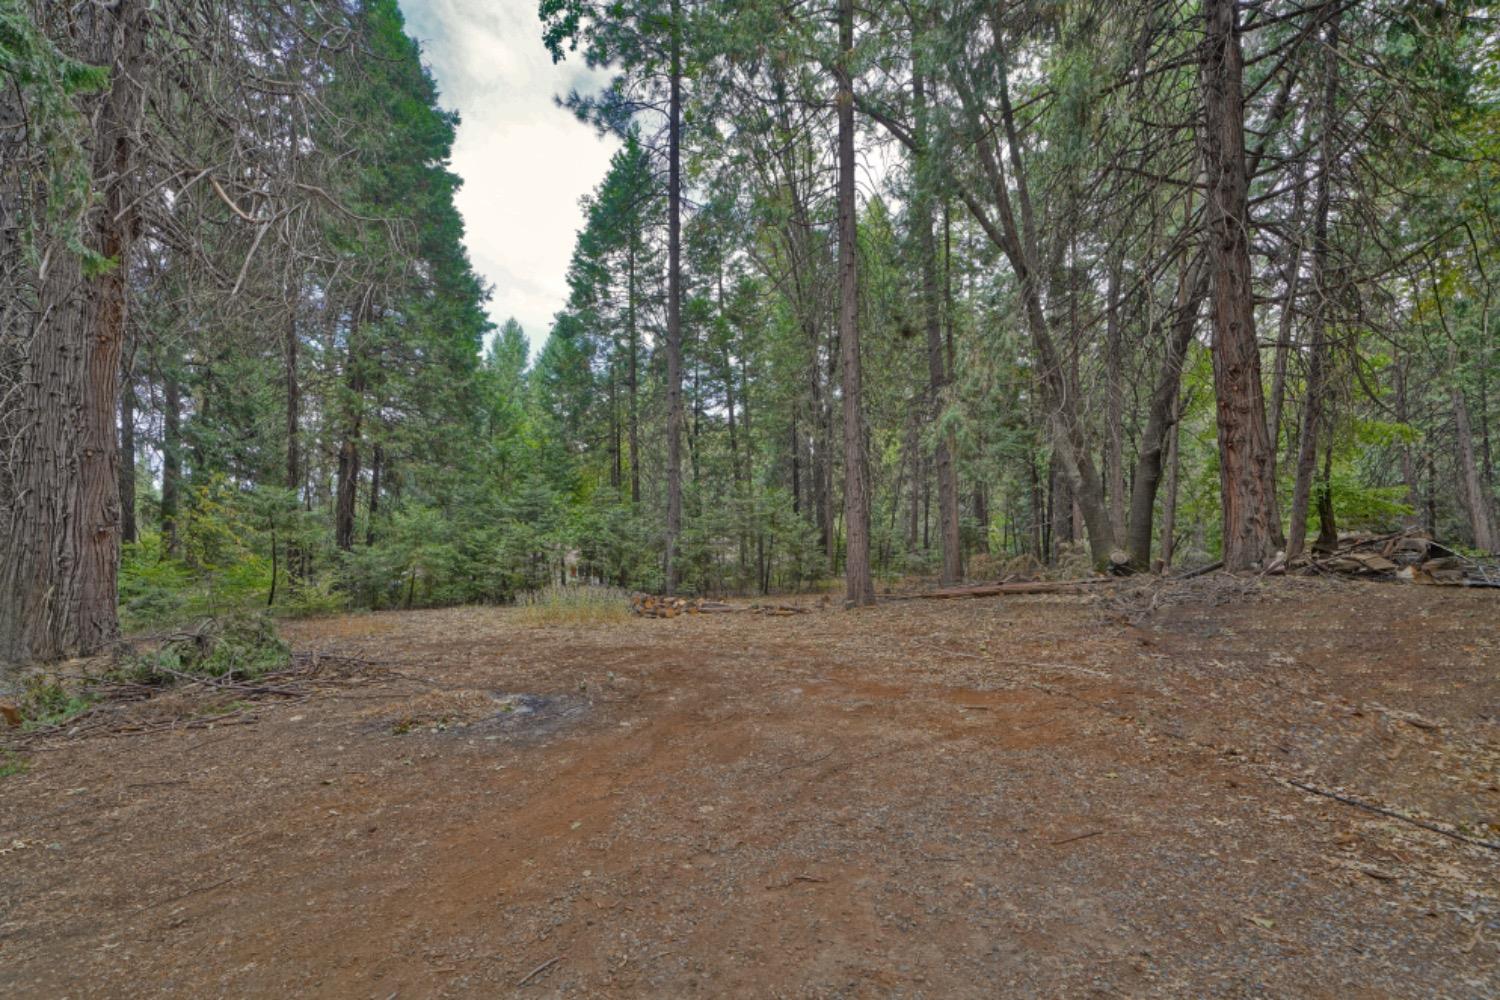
525, 162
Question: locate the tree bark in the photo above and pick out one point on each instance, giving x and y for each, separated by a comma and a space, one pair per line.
349, 459
1169, 504
674, 304
1313, 423
348, 485
1161, 419
128, 529
860, 587
171, 461
290, 350
377, 469
1409, 474
1248, 491
1114, 443
1481, 525
59, 555
633, 376
937, 368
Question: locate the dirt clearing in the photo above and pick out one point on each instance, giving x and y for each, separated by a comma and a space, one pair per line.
1052, 795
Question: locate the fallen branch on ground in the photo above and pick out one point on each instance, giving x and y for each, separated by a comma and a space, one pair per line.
1393, 814
998, 589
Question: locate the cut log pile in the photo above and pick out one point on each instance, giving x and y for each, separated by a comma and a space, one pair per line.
655, 606
1409, 556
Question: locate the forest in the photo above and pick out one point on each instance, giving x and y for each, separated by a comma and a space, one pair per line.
913, 291
1004, 505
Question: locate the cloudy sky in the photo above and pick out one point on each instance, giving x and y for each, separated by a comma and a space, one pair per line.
525, 162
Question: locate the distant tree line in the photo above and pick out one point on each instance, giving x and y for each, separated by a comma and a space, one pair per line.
918, 288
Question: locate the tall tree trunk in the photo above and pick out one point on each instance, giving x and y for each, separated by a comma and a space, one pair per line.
1169, 503
674, 304
937, 368
1040, 531
616, 429
128, 532
291, 346
349, 459
1285, 327
1060, 508
1114, 388
914, 464
634, 377
1471, 482
59, 556
1328, 531
796, 465
1313, 422
859, 586
377, 469
982, 515
1248, 491
1431, 462
171, 461
348, 486
1161, 420
1016, 235
1409, 474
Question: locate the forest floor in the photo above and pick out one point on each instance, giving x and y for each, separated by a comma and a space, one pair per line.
1049, 796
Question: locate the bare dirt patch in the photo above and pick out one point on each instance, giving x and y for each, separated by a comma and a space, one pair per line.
1050, 795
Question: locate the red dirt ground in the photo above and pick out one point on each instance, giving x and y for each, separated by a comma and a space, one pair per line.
1038, 796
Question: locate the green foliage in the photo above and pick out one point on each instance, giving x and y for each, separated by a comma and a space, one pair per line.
1358, 505
241, 647
12, 764
362, 367
46, 702
154, 590
50, 84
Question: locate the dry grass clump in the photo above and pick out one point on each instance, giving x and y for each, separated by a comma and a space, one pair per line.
580, 605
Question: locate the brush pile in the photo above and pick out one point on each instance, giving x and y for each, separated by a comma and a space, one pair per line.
1409, 556
654, 606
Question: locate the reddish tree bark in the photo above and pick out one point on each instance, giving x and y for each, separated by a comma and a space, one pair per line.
1247, 488
860, 587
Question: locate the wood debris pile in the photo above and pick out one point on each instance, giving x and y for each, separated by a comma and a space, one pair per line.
1409, 556
1007, 587
655, 606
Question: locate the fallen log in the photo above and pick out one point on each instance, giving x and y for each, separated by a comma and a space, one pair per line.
1200, 571
998, 589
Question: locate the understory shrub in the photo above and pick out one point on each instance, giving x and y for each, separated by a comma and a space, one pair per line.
47, 702
241, 647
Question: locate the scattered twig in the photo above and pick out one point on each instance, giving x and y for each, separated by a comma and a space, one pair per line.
795, 879
1081, 836
538, 970
1393, 814
1200, 571
805, 763
185, 895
